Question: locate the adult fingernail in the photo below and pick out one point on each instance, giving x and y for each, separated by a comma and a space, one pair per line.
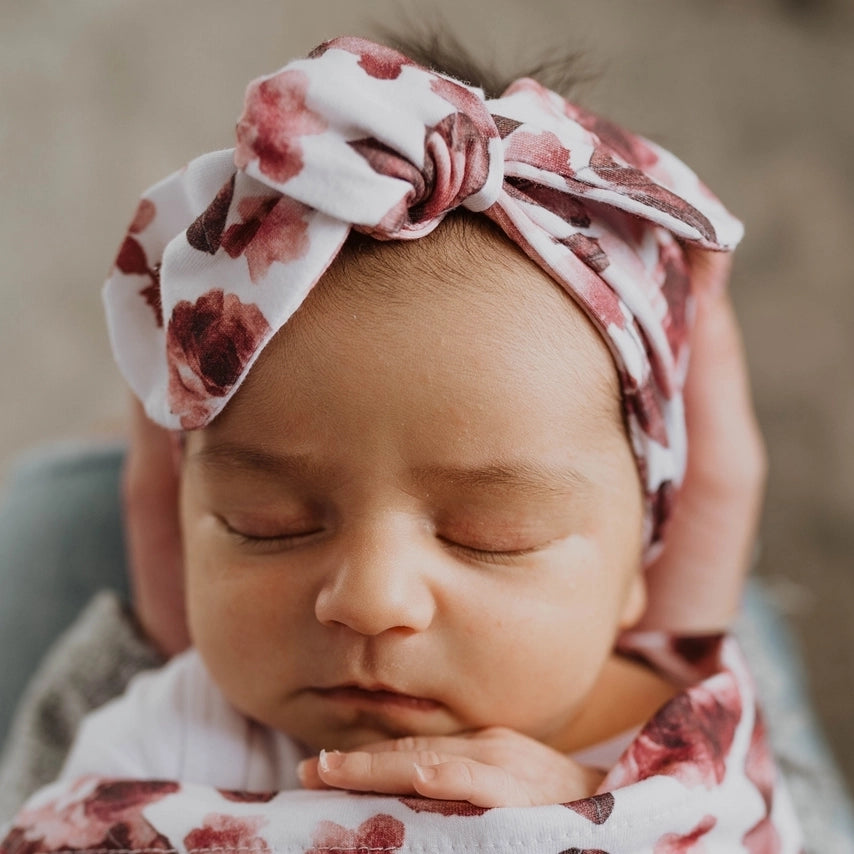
425, 773
330, 760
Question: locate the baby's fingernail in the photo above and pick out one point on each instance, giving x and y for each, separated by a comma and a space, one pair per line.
425, 773
329, 760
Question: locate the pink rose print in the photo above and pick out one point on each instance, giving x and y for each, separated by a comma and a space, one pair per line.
209, 343
672, 843
467, 103
132, 259
661, 503
227, 833
273, 229
459, 139
544, 151
588, 250
636, 185
205, 234
386, 161
248, 797
568, 207
145, 213
690, 737
625, 145
640, 401
380, 833
583, 851
703, 652
676, 289
377, 61
113, 799
253, 211
107, 819
505, 126
456, 165
17, 841
383, 65
274, 120
151, 295
597, 809
443, 807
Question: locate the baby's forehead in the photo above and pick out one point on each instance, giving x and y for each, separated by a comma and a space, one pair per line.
466, 294
467, 257
459, 334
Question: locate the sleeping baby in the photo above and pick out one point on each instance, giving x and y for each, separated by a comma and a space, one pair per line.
425, 352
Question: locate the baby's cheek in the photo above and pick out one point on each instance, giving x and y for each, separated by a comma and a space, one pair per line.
217, 608
537, 663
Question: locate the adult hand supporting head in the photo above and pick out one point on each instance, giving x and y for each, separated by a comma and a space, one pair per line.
152, 531
695, 585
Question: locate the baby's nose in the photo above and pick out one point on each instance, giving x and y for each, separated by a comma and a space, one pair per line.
379, 582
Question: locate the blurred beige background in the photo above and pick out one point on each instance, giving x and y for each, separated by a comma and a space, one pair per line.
100, 98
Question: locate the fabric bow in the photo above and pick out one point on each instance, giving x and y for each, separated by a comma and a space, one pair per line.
221, 254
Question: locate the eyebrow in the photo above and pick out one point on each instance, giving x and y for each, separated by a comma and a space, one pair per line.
231, 456
529, 477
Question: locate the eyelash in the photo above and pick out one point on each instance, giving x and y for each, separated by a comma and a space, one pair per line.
251, 541
247, 540
495, 556
492, 556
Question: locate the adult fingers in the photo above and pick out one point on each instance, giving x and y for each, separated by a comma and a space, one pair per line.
724, 438
695, 585
153, 537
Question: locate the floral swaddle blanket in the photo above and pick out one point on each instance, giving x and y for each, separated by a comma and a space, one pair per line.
698, 778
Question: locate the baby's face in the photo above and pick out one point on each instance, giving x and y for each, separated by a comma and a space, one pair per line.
420, 513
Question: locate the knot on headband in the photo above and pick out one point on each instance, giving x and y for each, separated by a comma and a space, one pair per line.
221, 253
389, 160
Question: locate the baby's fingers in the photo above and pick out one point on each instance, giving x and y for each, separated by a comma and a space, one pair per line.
479, 784
446, 777
427, 774
391, 772
487, 785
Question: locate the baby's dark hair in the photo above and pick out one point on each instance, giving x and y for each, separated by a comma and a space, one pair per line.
436, 47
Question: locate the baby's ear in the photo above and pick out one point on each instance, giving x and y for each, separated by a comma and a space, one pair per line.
635, 601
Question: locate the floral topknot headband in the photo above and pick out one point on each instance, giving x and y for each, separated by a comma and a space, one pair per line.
221, 254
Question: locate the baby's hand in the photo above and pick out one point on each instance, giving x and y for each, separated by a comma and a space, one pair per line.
493, 767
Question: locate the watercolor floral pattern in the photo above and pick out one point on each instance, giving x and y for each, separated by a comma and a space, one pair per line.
209, 344
378, 833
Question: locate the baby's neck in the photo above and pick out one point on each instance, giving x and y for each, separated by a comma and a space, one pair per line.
625, 696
